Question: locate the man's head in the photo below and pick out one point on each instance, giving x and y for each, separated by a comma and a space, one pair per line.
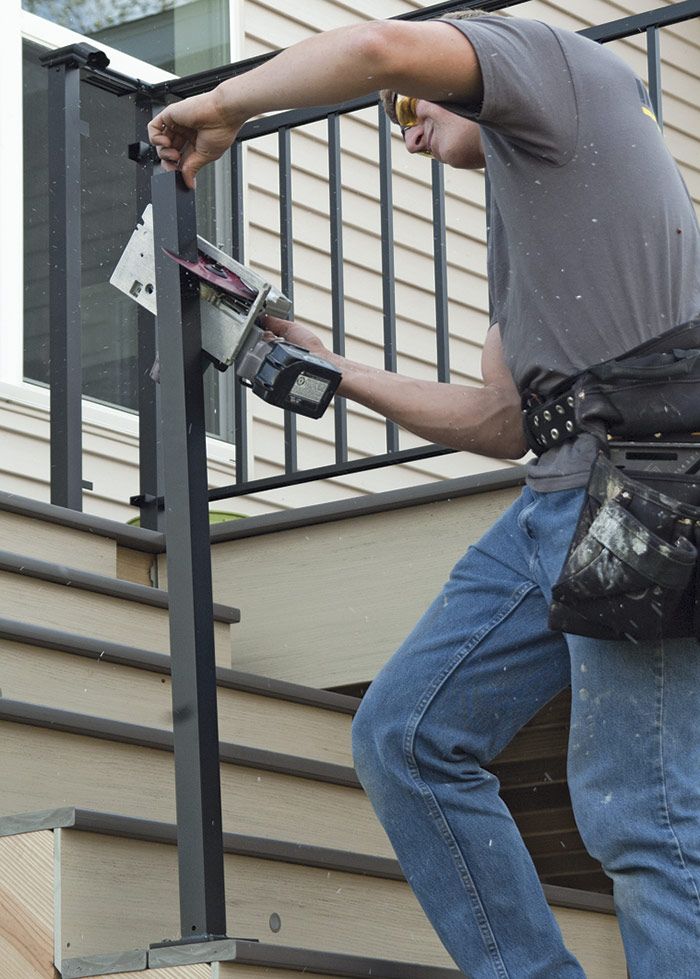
433, 131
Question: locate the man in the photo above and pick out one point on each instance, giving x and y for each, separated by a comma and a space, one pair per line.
594, 249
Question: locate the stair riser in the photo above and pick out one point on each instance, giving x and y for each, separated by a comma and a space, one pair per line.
345, 593
46, 769
112, 885
94, 687
88, 613
118, 894
51, 542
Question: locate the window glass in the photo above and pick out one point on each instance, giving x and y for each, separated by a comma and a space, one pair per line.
181, 36
108, 216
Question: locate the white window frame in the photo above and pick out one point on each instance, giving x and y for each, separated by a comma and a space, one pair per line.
19, 25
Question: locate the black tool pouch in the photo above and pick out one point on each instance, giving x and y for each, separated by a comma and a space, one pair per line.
631, 570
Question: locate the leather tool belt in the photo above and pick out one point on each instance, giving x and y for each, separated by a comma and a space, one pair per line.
650, 391
632, 569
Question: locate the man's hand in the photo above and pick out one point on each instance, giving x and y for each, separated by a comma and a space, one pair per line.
302, 336
193, 132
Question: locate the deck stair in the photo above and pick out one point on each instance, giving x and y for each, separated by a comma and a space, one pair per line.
88, 872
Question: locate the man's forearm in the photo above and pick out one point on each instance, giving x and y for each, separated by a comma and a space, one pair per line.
486, 420
324, 69
350, 62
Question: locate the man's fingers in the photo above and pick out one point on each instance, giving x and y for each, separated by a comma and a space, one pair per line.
275, 325
158, 128
169, 143
170, 139
203, 139
191, 166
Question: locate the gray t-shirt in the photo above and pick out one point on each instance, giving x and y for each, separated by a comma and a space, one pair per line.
594, 244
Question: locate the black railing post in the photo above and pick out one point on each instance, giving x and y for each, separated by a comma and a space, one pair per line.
65, 370
195, 727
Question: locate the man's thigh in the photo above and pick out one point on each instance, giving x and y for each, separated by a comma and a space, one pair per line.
481, 661
634, 752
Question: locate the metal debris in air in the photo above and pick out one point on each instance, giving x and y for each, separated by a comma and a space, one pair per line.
233, 297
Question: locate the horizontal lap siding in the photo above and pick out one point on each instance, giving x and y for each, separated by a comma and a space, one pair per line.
267, 28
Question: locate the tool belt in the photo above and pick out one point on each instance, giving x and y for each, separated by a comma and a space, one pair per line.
632, 569
651, 390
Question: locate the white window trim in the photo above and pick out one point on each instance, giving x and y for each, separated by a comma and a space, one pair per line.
11, 195
49, 35
19, 25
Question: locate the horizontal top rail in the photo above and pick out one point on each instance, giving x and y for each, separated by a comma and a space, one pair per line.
120, 84
187, 85
615, 30
202, 81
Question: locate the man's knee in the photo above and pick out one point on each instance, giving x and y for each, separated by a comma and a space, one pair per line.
603, 820
393, 741
376, 739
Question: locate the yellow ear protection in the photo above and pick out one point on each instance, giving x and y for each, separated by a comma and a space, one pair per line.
405, 111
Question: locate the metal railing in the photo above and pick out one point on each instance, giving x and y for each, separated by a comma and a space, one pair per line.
66, 67
173, 417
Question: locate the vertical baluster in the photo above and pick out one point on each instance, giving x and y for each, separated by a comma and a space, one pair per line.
386, 204
337, 277
440, 264
225, 398
287, 266
238, 239
487, 206
654, 72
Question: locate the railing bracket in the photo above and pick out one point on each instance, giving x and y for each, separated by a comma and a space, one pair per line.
141, 152
76, 56
146, 499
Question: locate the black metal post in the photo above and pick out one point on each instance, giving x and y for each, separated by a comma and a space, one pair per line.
291, 462
238, 251
386, 209
654, 72
337, 276
150, 463
197, 779
66, 375
440, 261
487, 210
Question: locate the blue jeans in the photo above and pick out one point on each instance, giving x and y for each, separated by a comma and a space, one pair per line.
479, 664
